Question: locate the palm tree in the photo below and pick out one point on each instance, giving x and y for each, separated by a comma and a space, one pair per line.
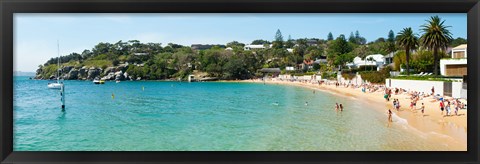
408, 40
436, 36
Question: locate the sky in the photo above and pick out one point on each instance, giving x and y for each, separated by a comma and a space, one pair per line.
36, 35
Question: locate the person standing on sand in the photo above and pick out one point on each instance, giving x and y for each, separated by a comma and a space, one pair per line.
390, 115
411, 105
433, 91
455, 104
442, 106
395, 103
423, 109
448, 108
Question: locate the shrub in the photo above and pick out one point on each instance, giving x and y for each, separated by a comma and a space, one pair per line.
348, 76
367, 68
377, 77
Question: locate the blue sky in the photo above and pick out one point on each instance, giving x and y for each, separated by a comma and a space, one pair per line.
36, 35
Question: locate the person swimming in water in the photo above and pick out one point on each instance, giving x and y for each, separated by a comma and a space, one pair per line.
336, 106
306, 103
341, 107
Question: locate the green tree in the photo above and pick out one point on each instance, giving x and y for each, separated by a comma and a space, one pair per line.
391, 36
260, 41
391, 42
278, 43
409, 41
352, 38
330, 36
340, 45
458, 41
235, 44
289, 43
436, 36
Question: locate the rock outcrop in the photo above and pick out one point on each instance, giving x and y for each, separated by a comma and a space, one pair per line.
72, 75
93, 73
85, 73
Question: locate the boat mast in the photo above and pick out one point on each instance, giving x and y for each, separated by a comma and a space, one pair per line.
58, 62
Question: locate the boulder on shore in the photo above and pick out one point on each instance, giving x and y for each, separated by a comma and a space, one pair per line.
93, 73
72, 75
119, 75
108, 70
66, 69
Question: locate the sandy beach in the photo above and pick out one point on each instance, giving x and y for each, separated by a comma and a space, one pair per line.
448, 130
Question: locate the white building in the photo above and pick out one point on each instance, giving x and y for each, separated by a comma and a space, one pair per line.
377, 60
457, 65
254, 46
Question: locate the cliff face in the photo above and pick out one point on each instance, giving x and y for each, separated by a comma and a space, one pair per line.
84, 73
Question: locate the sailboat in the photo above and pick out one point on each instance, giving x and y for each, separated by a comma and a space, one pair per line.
58, 84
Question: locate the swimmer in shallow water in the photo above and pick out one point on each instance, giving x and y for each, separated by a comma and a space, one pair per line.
275, 103
306, 103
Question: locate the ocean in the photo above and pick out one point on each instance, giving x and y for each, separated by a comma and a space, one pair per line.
201, 116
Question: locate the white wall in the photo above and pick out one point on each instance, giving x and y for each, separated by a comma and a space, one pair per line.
457, 89
416, 85
444, 62
357, 80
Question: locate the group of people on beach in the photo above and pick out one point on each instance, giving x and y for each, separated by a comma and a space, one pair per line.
450, 106
446, 105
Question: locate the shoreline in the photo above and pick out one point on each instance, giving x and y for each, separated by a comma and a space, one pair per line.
450, 130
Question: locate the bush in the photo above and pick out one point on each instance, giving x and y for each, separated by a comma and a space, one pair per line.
348, 76
377, 77
367, 68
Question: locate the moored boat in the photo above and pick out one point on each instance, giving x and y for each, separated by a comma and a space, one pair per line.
96, 81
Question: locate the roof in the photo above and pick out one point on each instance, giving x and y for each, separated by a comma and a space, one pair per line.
462, 46
309, 62
255, 46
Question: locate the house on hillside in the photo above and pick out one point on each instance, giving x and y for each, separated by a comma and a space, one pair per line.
321, 60
140, 54
457, 64
312, 42
254, 47
377, 60
307, 64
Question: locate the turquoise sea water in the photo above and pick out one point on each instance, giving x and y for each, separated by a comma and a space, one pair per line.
199, 116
